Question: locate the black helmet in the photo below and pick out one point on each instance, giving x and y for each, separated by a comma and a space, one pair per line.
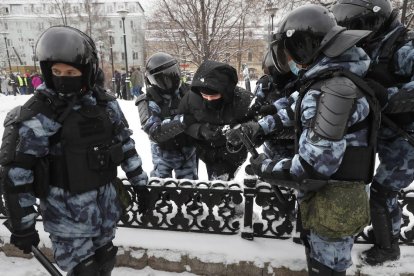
162, 71
362, 14
308, 31
70, 46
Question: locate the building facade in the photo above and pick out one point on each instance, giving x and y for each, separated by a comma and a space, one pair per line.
22, 21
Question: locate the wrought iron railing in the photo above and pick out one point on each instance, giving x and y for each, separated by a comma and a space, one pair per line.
252, 209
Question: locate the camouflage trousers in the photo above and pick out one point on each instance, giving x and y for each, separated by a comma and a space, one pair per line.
79, 224
335, 254
68, 252
183, 162
395, 172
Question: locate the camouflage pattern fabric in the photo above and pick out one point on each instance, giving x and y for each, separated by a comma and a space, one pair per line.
68, 252
336, 210
325, 156
396, 155
183, 162
77, 223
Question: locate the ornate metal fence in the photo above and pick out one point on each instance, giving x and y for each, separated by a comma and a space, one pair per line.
253, 209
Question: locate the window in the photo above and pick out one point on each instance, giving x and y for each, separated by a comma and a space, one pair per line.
123, 56
249, 56
134, 55
6, 26
132, 24
120, 24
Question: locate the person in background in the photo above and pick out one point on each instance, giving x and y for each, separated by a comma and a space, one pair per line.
172, 150
137, 81
246, 77
36, 80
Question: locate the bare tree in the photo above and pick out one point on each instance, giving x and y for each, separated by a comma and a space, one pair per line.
63, 7
91, 14
206, 29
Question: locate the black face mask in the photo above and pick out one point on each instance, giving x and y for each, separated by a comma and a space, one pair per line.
67, 85
214, 104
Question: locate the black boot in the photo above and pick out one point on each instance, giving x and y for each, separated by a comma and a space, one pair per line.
377, 255
386, 246
87, 267
316, 268
106, 258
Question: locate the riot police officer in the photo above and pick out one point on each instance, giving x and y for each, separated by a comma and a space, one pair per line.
330, 144
172, 149
391, 49
64, 146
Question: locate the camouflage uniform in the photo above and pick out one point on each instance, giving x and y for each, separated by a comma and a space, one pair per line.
274, 147
396, 155
175, 154
325, 156
80, 223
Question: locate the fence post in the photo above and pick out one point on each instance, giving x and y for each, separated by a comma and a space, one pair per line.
249, 195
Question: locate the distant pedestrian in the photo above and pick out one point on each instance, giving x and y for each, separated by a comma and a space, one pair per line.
137, 81
246, 76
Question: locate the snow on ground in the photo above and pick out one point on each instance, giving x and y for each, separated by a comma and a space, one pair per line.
207, 247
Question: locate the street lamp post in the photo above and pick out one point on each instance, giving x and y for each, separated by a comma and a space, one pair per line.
32, 44
100, 44
123, 14
271, 9
7, 48
110, 33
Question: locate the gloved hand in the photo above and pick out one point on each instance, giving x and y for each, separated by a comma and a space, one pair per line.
139, 180
268, 109
381, 93
188, 119
24, 239
252, 129
256, 164
143, 196
210, 132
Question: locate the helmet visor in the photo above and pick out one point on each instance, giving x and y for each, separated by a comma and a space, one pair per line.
167, 79
279, 56
355, 17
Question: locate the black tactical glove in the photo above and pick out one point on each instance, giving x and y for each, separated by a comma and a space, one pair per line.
143, 196
188, 120
24, 239
381, 93
210, 132
256, 164
268, 109
252, 129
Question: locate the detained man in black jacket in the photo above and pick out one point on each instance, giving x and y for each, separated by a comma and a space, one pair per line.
213, 104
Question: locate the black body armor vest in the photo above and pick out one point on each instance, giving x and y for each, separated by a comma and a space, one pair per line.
90, 155
358, 163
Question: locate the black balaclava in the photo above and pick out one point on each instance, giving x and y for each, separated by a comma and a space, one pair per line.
213, 104
69, 85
